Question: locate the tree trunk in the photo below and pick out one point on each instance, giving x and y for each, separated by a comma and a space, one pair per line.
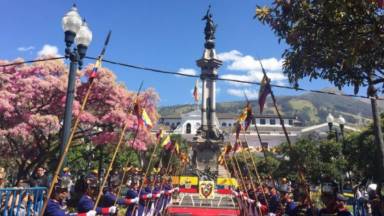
378, 138
372, 92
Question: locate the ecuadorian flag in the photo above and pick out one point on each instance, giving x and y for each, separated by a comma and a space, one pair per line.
145, 118
95, 68
264, 91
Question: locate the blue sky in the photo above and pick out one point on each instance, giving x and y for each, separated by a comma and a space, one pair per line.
164, 34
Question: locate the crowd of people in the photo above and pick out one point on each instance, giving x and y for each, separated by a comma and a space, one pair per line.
152, 195
148, 197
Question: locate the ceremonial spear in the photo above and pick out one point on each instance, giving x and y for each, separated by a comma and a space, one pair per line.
116, 150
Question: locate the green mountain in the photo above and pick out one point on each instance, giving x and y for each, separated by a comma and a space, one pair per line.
310, 108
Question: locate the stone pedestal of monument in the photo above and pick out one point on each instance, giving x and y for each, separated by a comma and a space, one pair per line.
205, 154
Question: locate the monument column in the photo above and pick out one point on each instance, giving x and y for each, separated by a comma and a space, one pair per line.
209, 65
204, 105
206, 144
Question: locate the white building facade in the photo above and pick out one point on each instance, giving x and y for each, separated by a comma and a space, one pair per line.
269, 127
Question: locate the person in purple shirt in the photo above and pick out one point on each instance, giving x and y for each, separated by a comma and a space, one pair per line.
86, 202
145, 197
132, 194
110, 197
55, 207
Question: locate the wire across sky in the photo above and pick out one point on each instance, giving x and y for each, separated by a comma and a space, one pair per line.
155, 70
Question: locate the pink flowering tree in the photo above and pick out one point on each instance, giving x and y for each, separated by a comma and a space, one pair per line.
32, 100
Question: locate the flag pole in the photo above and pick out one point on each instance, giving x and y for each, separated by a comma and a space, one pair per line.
301, 174
166, 173
146, 172
251, 178
126, 164
75, 125
241, 177
256, 171
238, 179
230, 176
257, 131
245, 138
121, 138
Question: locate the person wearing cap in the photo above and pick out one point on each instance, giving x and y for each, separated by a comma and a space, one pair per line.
110, 195
157, 195
55, 203
145, 196
132, 194
86, 202
329, 191
168, 191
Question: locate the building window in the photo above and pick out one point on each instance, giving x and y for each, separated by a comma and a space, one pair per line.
167, 123
290, 122
224, 124
188, 128
178, 123
229, 125
282, 121
262, 121
272, 121
173, 124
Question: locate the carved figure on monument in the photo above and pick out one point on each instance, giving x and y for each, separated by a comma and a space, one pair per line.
210, 27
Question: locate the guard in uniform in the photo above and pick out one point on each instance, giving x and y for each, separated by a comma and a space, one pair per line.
168, 191
156, 196
132, 195
55, 203
329, 192
145, 197
86, 202
110, 193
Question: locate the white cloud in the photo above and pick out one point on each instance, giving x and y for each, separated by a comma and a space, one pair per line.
48, 50
187, 71
248, 68
229, 56
25, 49
251, 93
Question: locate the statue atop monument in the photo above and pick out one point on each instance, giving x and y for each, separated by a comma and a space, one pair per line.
209, 30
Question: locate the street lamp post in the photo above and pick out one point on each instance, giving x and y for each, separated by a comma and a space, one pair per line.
75, 31
340, 121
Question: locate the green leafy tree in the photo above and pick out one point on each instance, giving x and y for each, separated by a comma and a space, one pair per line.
358, 150
316, 157
337, 40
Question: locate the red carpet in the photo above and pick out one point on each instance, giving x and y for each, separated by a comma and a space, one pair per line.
195, 211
